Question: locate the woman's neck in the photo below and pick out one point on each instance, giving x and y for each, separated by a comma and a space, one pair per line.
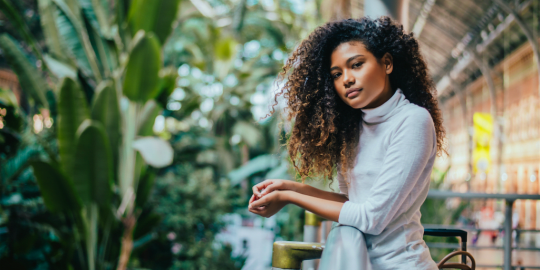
382, 112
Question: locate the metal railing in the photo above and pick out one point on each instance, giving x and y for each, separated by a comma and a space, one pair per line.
313, 223
507, 228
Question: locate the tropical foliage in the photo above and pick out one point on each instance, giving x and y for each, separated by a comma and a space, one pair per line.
97, 59
79, 161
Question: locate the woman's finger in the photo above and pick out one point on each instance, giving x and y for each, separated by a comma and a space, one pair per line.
251, 199
260, 202
256, 191
258, 211
260, 186
270, 188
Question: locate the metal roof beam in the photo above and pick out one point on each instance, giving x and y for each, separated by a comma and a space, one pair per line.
531, 37
466, 60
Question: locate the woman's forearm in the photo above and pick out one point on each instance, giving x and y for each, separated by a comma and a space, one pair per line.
324, 208
321, 194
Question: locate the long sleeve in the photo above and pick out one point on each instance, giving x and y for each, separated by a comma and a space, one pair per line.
410, 146
343, 188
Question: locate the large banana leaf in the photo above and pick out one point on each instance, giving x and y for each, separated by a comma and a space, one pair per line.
63, 37
154, 16
92, 174
95, 34
106, 110
58, 68
48, 15
56, 189
74, 6
141, 82
104, 11
72, 111
72, 30
29, 77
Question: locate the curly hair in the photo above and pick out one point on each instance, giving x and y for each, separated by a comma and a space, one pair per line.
326, 131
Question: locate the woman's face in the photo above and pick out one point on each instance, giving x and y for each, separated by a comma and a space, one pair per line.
360, 80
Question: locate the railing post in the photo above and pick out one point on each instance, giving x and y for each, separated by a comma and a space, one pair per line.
508, 234
311, 227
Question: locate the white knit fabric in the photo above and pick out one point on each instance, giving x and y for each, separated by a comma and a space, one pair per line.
389, 183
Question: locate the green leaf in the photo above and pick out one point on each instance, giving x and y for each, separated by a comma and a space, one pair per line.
56, 189
29, 77
146, 183
248, 132
150, 111
48, 15
17, 163
141, 82
103, 15
279, 172
155, 151
140, 169
72, 111
74, 24
106, 110
224, 52
225, 49
168, 84
66, 40
257, 164
59, 68
146, 224
95, 35
93, 164
154, 16
15, 18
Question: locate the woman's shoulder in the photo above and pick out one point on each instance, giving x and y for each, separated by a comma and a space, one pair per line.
414, 126
415, 115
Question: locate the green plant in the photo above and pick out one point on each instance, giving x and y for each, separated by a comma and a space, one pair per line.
98, 57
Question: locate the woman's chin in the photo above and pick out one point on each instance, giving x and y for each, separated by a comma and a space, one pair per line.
356, 104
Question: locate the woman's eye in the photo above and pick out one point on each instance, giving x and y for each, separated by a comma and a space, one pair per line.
335, 75
357, 65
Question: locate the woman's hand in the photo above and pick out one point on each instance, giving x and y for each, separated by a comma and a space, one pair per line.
270, 204
269, 185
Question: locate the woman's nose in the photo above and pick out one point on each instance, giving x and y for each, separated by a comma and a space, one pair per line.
348, 79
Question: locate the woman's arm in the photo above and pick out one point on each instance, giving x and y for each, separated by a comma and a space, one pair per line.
318, 193
270, 185
275, 201
328, 209
402, 179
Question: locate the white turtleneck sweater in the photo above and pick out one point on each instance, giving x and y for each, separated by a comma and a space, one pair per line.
389, 183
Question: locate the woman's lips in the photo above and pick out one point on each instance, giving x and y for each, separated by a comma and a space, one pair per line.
354, 93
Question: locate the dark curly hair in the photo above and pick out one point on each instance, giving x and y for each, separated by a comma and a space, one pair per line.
326, 130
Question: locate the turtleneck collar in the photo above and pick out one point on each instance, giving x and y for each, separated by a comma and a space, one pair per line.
387, 109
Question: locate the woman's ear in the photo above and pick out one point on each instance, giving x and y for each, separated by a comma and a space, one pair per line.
388, 63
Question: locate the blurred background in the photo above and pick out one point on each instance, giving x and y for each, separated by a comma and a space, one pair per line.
132, 131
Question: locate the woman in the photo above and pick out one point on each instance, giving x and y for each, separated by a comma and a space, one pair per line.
363, 103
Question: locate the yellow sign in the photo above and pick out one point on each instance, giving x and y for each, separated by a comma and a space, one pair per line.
483, 130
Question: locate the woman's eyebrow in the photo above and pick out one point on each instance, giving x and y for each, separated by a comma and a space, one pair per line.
348, 61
